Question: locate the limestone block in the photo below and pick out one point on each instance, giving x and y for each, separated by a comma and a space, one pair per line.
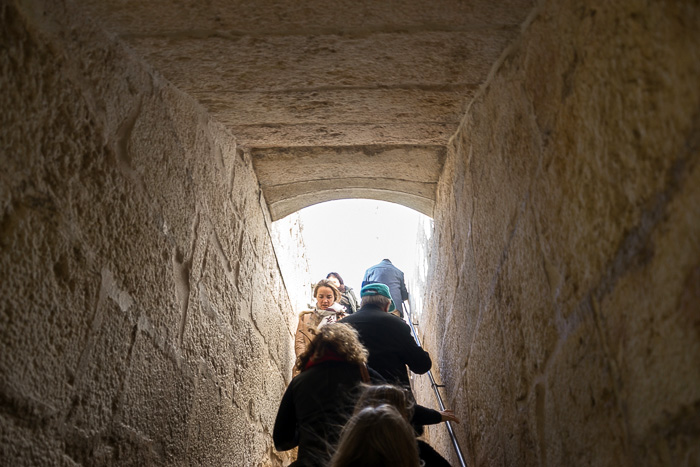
531, 325
27, 444
267, 17
337, 135
212, 419
157, 399
49, 281
290, 77
652, 325
293, 179
336, 106
305, 194
98, 379
486, 383
501, 169
37, 335
278, 63
418, 164
207, 334
623, 140
572, 238
124, 213
581, 405
290, 250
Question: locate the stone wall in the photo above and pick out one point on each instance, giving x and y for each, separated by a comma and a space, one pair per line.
290, 249
143, 317
564, 307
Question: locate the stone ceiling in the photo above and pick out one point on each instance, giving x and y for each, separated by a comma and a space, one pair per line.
333, 99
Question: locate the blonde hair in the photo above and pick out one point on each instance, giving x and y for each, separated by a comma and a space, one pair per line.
396, 396
338, 337
376, 437
326, 283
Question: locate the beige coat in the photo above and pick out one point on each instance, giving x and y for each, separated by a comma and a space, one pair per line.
306, 329
309, 322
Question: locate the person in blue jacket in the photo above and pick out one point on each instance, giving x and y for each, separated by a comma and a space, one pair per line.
386, 273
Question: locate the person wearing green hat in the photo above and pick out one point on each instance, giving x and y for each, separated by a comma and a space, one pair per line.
387, 337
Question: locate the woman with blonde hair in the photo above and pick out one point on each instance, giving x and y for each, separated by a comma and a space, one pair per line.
326, 311
320, 399
377, 437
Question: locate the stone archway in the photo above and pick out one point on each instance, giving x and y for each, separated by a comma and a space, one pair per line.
331, 100
292, 179
565, 259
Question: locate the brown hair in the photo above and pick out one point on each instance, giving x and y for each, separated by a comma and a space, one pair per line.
374, 437
375, 395
340, 279
338, 337
330, 285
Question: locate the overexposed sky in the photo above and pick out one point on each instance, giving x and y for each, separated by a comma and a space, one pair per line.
348, 236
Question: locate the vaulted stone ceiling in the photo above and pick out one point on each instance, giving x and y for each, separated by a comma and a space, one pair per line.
333, 99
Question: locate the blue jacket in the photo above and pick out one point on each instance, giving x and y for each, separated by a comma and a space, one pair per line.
388, 274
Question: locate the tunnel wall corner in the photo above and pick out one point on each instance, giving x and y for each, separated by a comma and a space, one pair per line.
143, 316
561, 308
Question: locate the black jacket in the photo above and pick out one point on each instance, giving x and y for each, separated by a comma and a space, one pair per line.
314, 408
348, 300
316, 405
390, 344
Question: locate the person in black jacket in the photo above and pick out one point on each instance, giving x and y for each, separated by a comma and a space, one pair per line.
387, 337
377, 436
416, 415
318, 401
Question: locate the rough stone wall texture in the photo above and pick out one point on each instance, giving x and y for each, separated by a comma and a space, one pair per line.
290, 249
564, 311
143, 318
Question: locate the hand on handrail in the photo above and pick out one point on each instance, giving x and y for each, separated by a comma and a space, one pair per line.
448, 416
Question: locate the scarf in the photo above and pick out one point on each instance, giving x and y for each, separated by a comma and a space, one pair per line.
325, 313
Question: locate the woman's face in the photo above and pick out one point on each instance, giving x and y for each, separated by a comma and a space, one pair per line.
324, 297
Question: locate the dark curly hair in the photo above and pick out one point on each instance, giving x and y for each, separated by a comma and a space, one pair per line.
340, 279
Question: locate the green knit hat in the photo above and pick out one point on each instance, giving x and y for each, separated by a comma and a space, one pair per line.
378, 289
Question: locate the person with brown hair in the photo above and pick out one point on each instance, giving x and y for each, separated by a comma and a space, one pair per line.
320, 399
348, 298
417, 415
327, 310
376, 437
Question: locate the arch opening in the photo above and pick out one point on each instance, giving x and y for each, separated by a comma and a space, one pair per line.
294, 178
350, 235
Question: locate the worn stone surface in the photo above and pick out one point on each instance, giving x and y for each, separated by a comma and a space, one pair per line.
143, 316
563, 308
313, 177
314, 82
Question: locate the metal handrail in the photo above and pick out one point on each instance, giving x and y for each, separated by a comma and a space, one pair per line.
435, 387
